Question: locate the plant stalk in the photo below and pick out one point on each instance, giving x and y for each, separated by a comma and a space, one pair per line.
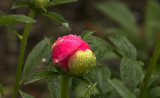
64, 86
150, 69
21, 55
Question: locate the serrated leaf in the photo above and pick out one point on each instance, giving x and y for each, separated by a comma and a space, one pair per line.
131, 72
152, 21
99, 46
25, 95
56, 2
40, 51
121, 14
16, 18
39, 75
125, 47
154, 92
58, 18
86, 35
100, 74
18, 4
1, 90
90, 90
121, 89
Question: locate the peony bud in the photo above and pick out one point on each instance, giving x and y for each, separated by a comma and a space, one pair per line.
40, 3
73, 55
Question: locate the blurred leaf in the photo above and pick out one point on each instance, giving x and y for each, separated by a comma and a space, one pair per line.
54, 83
121, 14
152, 21
113, 30
11, 27
154, 92
1, 13
39, 75
131, 72
100, 74
155, 76
90, 90
16, 18
48, 41
18, 4
124, 46
56, 2
99, 96
99, 47
1, 90
35, 57
121, 89
25, 95
58, 18
86, 34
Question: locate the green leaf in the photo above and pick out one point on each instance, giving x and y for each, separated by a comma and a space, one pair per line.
85, 81
99, 46
125, 47
54, 86
121, 89
18, 4
11, 27
1, 90
131, 72
121, 14
56, 2
40, 51
152, 21
48, 41
75, 83
99, 96
58, 18
16, 18
86, 34
54, 83
25, 95
100, 74
39, 75
154, 92
90, 90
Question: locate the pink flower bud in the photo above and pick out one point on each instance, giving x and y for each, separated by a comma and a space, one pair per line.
73, 55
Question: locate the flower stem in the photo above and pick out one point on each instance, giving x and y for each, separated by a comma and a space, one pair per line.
150, 69
21, 54
64, 86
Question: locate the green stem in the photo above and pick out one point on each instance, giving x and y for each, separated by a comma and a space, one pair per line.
150, 69
21, 55
64, 86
